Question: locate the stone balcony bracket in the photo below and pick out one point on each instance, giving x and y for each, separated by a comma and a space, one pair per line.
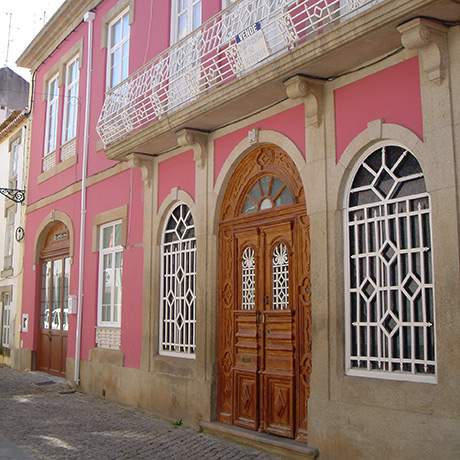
145, 162
198, 140
430, 39
311, 91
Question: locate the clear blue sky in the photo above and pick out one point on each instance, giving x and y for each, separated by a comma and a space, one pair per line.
28, 18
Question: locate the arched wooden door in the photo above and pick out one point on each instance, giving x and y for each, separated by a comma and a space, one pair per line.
54, 292
264, 339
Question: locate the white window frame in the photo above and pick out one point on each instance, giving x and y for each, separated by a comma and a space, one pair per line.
15, 153
377, 374
52, 103
175, 22
9, 238
69, 88
6, 327
163, 295
111, 49
102, 252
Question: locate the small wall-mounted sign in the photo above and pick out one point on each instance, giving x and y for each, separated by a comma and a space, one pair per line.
25, 322
19, 234
252, 46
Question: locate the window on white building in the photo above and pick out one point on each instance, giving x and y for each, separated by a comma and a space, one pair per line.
110, 274
390, 307
52, 107
15, 152
72, 76
9, 238
178, 285
6, 320
118, 50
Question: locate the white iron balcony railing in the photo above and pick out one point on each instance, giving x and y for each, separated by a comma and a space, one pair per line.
240, 38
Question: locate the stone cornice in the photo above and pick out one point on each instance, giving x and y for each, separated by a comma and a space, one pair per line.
63, 22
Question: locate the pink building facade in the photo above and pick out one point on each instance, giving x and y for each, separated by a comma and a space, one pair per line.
269, 203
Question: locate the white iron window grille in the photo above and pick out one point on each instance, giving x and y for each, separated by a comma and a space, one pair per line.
280, 275
248, 279
178, 285
110, 274
154, 91
72, 77
118, 50
51, 117
6, 320
390, 317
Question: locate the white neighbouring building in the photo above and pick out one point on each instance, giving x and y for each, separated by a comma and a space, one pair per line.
13, 164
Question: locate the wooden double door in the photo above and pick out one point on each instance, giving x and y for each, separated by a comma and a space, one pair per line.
55, 267
264, 323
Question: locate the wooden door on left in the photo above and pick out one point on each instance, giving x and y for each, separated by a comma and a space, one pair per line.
54, 292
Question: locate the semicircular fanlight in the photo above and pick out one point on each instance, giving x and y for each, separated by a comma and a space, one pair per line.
267, 193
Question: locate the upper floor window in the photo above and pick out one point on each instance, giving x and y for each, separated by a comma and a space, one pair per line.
178, 284
72, 76
52, 115
390, 317
110, 274
15, 152
9, 237
118, 49
186, 17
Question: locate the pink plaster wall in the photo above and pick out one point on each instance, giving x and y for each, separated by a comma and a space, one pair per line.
124, 188
392, 95
177, 171
290, 122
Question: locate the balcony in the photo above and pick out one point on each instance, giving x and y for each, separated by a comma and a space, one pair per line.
244, 40
228, 46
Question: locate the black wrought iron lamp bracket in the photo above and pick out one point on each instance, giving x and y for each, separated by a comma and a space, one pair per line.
14, 194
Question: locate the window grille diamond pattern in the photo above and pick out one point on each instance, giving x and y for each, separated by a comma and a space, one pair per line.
390, 298
248, 281
178, 283
280, 272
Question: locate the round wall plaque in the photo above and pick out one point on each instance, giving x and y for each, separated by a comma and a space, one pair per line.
19, 234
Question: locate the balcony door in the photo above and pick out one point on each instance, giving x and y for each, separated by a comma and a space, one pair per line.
54, 291
185, 56
264, 327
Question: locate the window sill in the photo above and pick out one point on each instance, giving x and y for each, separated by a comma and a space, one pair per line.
174, 366
393, 376
58, 168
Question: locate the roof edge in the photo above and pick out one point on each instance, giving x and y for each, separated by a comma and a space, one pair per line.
12, 122
62, 23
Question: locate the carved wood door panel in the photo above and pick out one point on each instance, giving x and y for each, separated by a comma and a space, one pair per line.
263, 324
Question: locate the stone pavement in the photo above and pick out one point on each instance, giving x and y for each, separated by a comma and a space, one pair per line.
45, 421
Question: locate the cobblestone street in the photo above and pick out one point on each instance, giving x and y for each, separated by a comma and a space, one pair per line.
42, 420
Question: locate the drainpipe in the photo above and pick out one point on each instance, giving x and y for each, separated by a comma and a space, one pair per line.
89, 18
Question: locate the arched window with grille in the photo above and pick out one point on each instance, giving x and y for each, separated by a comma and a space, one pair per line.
178, 284
390, 317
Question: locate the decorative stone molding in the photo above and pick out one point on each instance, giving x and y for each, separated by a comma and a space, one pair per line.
145, 162
198, 140
311, 91
430, 39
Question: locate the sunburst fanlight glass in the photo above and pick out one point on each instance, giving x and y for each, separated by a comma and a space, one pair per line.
280, 274
178, 284
268, 192
390, 320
